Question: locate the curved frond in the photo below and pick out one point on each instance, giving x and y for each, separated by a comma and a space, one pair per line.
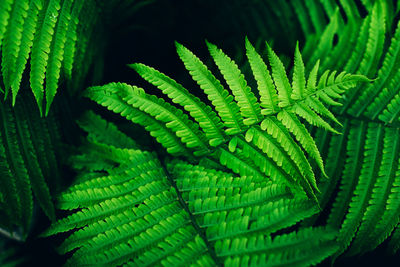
276, 151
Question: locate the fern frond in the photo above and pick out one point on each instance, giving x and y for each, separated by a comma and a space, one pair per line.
365, 206
312, 117
372, 97
365, 201
138, 213
265, 164
335, 151
238, 162
223, 207
380, 193
354, 150
5, 9
363, 189
293, 124
372, 48
38, 182
287, 159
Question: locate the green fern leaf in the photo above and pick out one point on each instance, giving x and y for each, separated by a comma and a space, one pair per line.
269, 97
72, 38
57, 53
5, 9
265, 251
133, 213
299, 81
380, 194
364, 186
12, 40
41, 50
286, 161
249, 107
203, 114
372, 96
275, 142
163, 134
292, 123
25, 47
174, 119
280, 79
219, 97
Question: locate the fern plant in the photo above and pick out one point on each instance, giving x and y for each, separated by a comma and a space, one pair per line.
245, 181
263, 139
130, 210
119, 192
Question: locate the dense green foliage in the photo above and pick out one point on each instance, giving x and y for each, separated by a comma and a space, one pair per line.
264, 157
249, 137
134, 211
